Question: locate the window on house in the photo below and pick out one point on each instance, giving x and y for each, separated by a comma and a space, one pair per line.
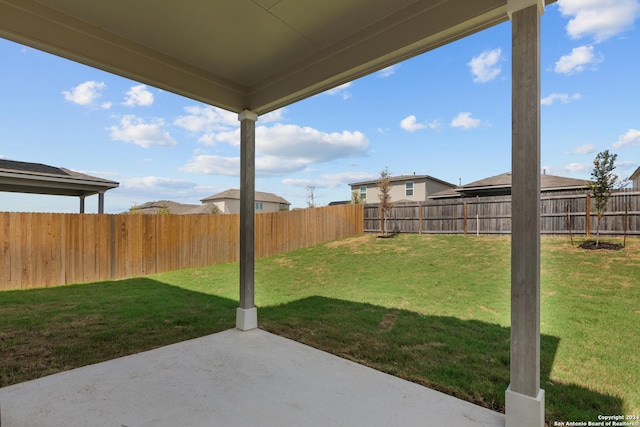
259, 206
363, 193
408, 189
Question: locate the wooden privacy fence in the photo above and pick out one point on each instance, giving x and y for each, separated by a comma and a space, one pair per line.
43, 249
560, 213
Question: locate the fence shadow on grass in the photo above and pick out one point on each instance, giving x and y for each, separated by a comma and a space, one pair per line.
468, 359
44, 331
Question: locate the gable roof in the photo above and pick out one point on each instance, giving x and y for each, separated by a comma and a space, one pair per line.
259, 55
635, 174
38, 178
234, 194
173, 207
403, 178
501, 185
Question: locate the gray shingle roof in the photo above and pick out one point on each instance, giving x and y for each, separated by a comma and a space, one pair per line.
403, 178
501, 184
174, 208
37, 178
234, 194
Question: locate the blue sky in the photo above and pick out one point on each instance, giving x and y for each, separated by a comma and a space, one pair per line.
445, 113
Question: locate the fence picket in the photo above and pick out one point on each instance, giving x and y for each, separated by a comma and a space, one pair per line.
56, 249
492, 215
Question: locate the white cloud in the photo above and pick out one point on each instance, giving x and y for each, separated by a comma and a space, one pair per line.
340, 90
464, 120
631, 137
409, 124
274, 116
331, 180
138, 96
562, 97
283, 149
207, 119
387, 72
576, 61
230, 166
577, 167
583, 149
213, 165
292, 141
485, 67
86, 93
599, 19
155, 184
136, 131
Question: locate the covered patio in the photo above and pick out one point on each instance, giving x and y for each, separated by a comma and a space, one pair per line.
253, 57
233, 379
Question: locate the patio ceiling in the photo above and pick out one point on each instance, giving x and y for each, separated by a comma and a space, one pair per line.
256, 55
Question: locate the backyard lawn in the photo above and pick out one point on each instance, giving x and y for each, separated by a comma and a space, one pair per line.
431, 309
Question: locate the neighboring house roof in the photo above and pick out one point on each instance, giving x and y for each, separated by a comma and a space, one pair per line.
501, 185
234, 194
37, 178
635, 174
400, 178
174, 208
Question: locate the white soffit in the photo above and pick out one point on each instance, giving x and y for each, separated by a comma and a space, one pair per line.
243, 54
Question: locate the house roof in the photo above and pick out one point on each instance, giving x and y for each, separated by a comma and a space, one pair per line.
501, 184
401, 178
234, 194
259, 55
173, 207
635, 173
37, 178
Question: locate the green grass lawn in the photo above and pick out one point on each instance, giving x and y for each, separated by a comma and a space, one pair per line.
431, 309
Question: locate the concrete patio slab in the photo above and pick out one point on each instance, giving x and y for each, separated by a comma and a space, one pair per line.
233, 378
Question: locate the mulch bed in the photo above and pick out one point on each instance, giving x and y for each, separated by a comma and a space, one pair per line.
591, 244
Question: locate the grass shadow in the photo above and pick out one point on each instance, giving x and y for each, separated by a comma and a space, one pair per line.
44, 331
468, 359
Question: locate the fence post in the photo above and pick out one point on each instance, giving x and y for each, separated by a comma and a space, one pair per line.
587, 210
112, 248
464, 222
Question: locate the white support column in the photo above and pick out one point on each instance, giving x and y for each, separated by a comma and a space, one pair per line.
246, 315
81, 204
524, 399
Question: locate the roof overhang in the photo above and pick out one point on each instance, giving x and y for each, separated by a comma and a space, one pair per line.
258, 55
52, 185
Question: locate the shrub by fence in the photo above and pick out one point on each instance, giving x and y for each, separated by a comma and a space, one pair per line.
44, 249
559, 214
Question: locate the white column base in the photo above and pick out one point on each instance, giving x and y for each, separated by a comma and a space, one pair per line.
246, 318
522, 410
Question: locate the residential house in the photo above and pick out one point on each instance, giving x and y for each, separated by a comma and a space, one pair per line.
229, 202
170, 207
500, 185
402, 188
635, 178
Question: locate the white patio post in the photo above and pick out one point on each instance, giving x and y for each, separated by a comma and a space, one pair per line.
246, 314
524, 398
81, 204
